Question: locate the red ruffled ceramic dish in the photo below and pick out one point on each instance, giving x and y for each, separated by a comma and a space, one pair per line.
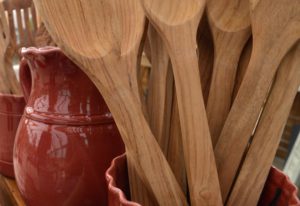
278, 190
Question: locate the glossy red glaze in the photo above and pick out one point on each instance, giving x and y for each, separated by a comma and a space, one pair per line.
67, 137
278, 190
11, 110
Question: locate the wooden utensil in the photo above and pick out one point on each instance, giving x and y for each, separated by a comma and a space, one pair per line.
230, 25
4, 44
175, 148
163, 108
177, 23
163, 111
276, 27
160, 90
103, 37
261, 153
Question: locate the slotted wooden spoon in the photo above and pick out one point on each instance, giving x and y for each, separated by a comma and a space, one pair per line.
275, 27
230, 25
103, 37
177, 23
258, 161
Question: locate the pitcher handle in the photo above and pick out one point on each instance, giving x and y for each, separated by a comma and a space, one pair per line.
25, 78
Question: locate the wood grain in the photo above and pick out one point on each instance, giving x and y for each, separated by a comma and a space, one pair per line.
274, 36
177, 23
261, 153
230, 25
93, 34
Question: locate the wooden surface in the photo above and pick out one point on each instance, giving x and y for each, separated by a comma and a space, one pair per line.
274, 36
9, 193
89, 32
230, 25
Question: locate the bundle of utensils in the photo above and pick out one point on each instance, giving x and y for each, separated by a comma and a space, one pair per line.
224, 74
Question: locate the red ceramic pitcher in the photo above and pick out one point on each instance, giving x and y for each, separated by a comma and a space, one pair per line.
67, 136
11, 110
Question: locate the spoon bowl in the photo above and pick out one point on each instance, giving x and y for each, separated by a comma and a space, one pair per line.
164, 10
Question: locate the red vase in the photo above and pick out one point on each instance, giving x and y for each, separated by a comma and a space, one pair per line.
278, 190
11, 110
67, 136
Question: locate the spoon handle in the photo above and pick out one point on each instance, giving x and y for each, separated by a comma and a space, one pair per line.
260, 155
142, 148
196, 140
228, 48
175, 149
159, 100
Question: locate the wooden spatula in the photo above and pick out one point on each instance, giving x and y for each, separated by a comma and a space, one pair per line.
229, 21
258, 161
275, 27
5, 43
103, 37
177, 22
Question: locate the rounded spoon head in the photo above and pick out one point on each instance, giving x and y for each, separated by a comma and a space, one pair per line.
100, 27
229, 15
173, 12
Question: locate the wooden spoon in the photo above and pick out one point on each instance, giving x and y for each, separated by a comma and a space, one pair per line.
5, 43
229, 21
163, 108
177, 22
175, 148
275, 27
103, 37
160, 90
260, 156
